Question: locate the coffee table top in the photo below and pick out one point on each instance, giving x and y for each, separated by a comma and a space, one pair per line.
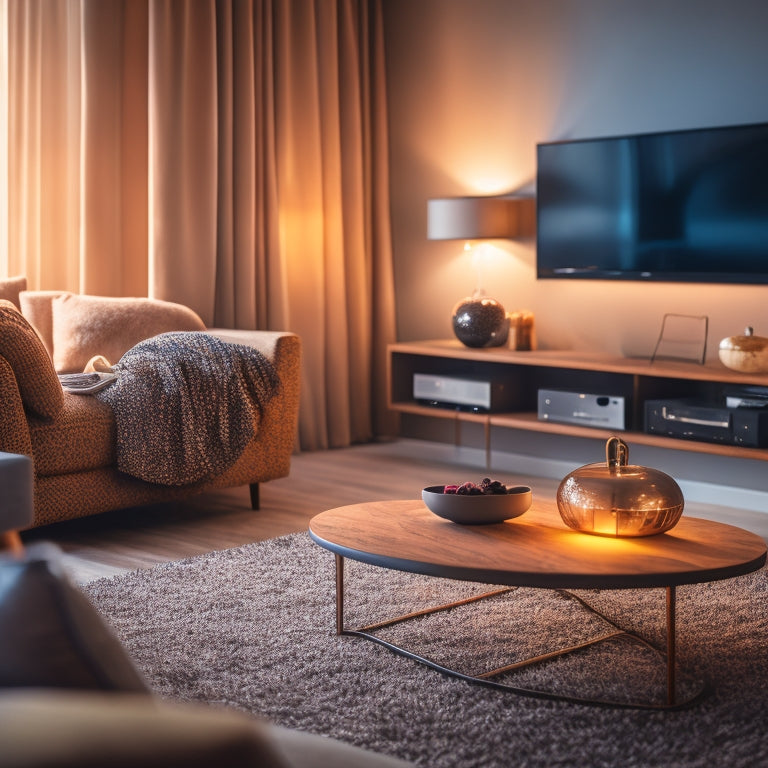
535, 550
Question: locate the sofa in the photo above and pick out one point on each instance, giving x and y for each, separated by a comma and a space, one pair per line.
71, 697
71, 438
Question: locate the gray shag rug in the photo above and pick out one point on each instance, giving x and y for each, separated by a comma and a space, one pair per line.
253, 628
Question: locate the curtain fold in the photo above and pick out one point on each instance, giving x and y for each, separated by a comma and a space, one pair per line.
113, 148
229, 155
43, 142
4, 104
383, 327
183, 158
77, 175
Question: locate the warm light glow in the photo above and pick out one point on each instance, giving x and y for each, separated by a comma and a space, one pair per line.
595, 547
484, 257
481, 167
4, 259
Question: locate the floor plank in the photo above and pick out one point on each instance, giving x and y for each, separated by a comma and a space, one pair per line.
124, 540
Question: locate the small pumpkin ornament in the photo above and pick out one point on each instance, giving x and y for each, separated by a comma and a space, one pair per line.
747, 353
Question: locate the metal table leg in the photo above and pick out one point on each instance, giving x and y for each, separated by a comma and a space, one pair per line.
671, 646
486, 678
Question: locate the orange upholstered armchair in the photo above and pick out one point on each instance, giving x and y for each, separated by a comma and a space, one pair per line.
71, 438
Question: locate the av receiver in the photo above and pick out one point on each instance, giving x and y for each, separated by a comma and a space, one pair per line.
700, 420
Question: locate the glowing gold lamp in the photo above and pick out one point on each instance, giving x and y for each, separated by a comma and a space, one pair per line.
479, 320
618, 498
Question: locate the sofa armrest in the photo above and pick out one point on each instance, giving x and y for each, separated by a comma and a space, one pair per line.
54, 729
283, 349
17, 492
281, 416
273, 344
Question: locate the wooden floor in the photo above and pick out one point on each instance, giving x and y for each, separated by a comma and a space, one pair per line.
116, 542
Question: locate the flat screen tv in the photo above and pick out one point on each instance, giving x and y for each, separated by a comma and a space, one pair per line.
681, 206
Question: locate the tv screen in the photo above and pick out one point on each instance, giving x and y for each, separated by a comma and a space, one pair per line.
684, 206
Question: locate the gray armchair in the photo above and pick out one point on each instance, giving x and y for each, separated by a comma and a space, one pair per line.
70, 696
16, 489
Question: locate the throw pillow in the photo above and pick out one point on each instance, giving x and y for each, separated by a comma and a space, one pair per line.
85, 326
11, 287
36, 307
39, 386
50, 634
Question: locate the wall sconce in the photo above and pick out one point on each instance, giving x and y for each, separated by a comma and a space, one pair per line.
479, 320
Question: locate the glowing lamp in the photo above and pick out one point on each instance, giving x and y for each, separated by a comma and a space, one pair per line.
618, 498
479, 320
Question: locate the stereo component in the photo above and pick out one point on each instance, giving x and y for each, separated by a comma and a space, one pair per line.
477, 395
592, 410
700, 420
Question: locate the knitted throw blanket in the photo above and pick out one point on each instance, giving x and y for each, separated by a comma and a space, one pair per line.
185, 405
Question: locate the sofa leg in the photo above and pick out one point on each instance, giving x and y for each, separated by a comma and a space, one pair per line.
11, 541
254, 495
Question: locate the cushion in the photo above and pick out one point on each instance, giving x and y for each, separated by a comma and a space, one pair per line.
36, 307
85, 326
38, 383
82, 438
50, 634
58, 729
11, 287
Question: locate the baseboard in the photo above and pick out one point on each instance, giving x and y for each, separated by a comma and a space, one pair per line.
536, 466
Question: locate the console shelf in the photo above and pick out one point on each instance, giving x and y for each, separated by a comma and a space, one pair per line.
635, 379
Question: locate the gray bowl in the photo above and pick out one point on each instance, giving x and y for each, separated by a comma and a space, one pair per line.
477, 510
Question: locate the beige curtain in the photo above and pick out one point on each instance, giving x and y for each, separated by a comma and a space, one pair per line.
230, 156
77, 178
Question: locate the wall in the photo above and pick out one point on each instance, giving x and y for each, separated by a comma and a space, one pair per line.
474, 85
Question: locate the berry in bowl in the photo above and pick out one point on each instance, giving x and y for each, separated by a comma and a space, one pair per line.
488, 502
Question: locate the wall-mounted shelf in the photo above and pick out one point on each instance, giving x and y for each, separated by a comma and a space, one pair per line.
637, 380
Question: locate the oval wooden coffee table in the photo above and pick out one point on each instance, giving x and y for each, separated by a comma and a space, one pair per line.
535, 550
